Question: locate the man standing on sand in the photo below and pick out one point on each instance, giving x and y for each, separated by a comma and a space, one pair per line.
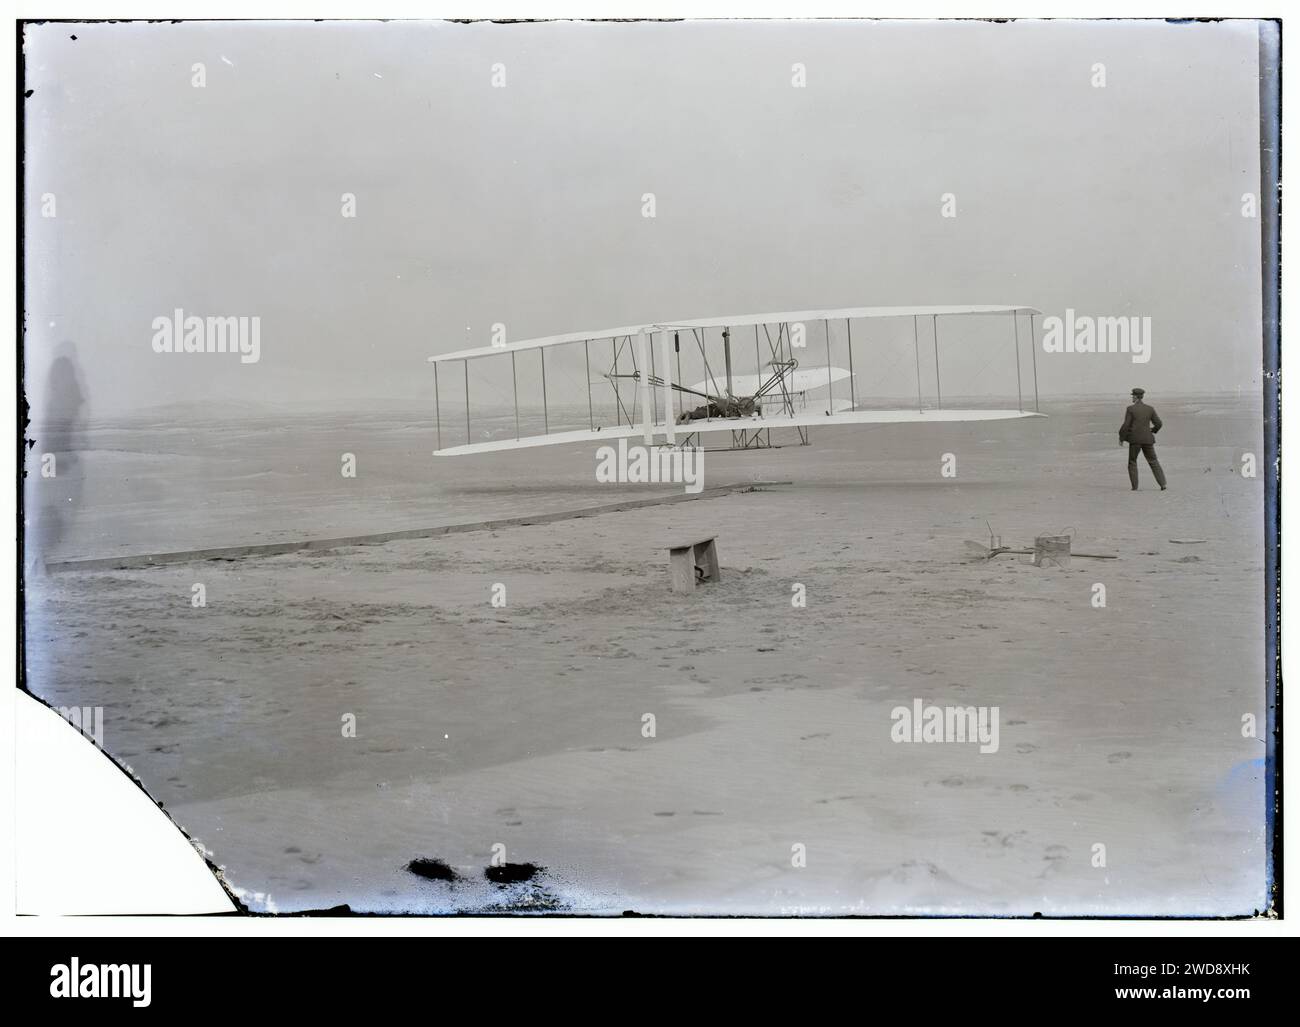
1141, 422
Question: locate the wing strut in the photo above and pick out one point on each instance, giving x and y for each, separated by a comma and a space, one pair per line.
1020, 398
654, 400
546, 417
670, 422
853, 392
1033, 351
437, 405
726, 349
643, 388
938, 389
514, 383
916, 348
586, 355
830, 391
677, 351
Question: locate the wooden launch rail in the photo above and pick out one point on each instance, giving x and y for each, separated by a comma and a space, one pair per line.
137, 561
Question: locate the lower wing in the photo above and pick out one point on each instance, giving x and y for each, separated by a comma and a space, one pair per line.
802, 419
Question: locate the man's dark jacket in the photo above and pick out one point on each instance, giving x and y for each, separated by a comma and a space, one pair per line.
1141, 422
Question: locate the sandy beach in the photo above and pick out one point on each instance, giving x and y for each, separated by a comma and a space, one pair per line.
522, 725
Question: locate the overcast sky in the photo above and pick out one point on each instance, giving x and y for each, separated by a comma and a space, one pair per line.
523, 204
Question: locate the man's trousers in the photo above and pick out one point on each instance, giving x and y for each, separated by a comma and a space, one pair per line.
1149, 451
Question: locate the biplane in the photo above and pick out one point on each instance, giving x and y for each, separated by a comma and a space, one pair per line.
753, 375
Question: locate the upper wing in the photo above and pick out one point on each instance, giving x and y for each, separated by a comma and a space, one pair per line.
800, 420
735, 320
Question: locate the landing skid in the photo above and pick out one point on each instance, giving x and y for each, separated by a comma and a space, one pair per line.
747, 440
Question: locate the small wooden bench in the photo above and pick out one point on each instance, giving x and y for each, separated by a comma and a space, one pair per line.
692, 562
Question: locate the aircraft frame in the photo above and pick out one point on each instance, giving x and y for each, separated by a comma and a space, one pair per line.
653, 349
